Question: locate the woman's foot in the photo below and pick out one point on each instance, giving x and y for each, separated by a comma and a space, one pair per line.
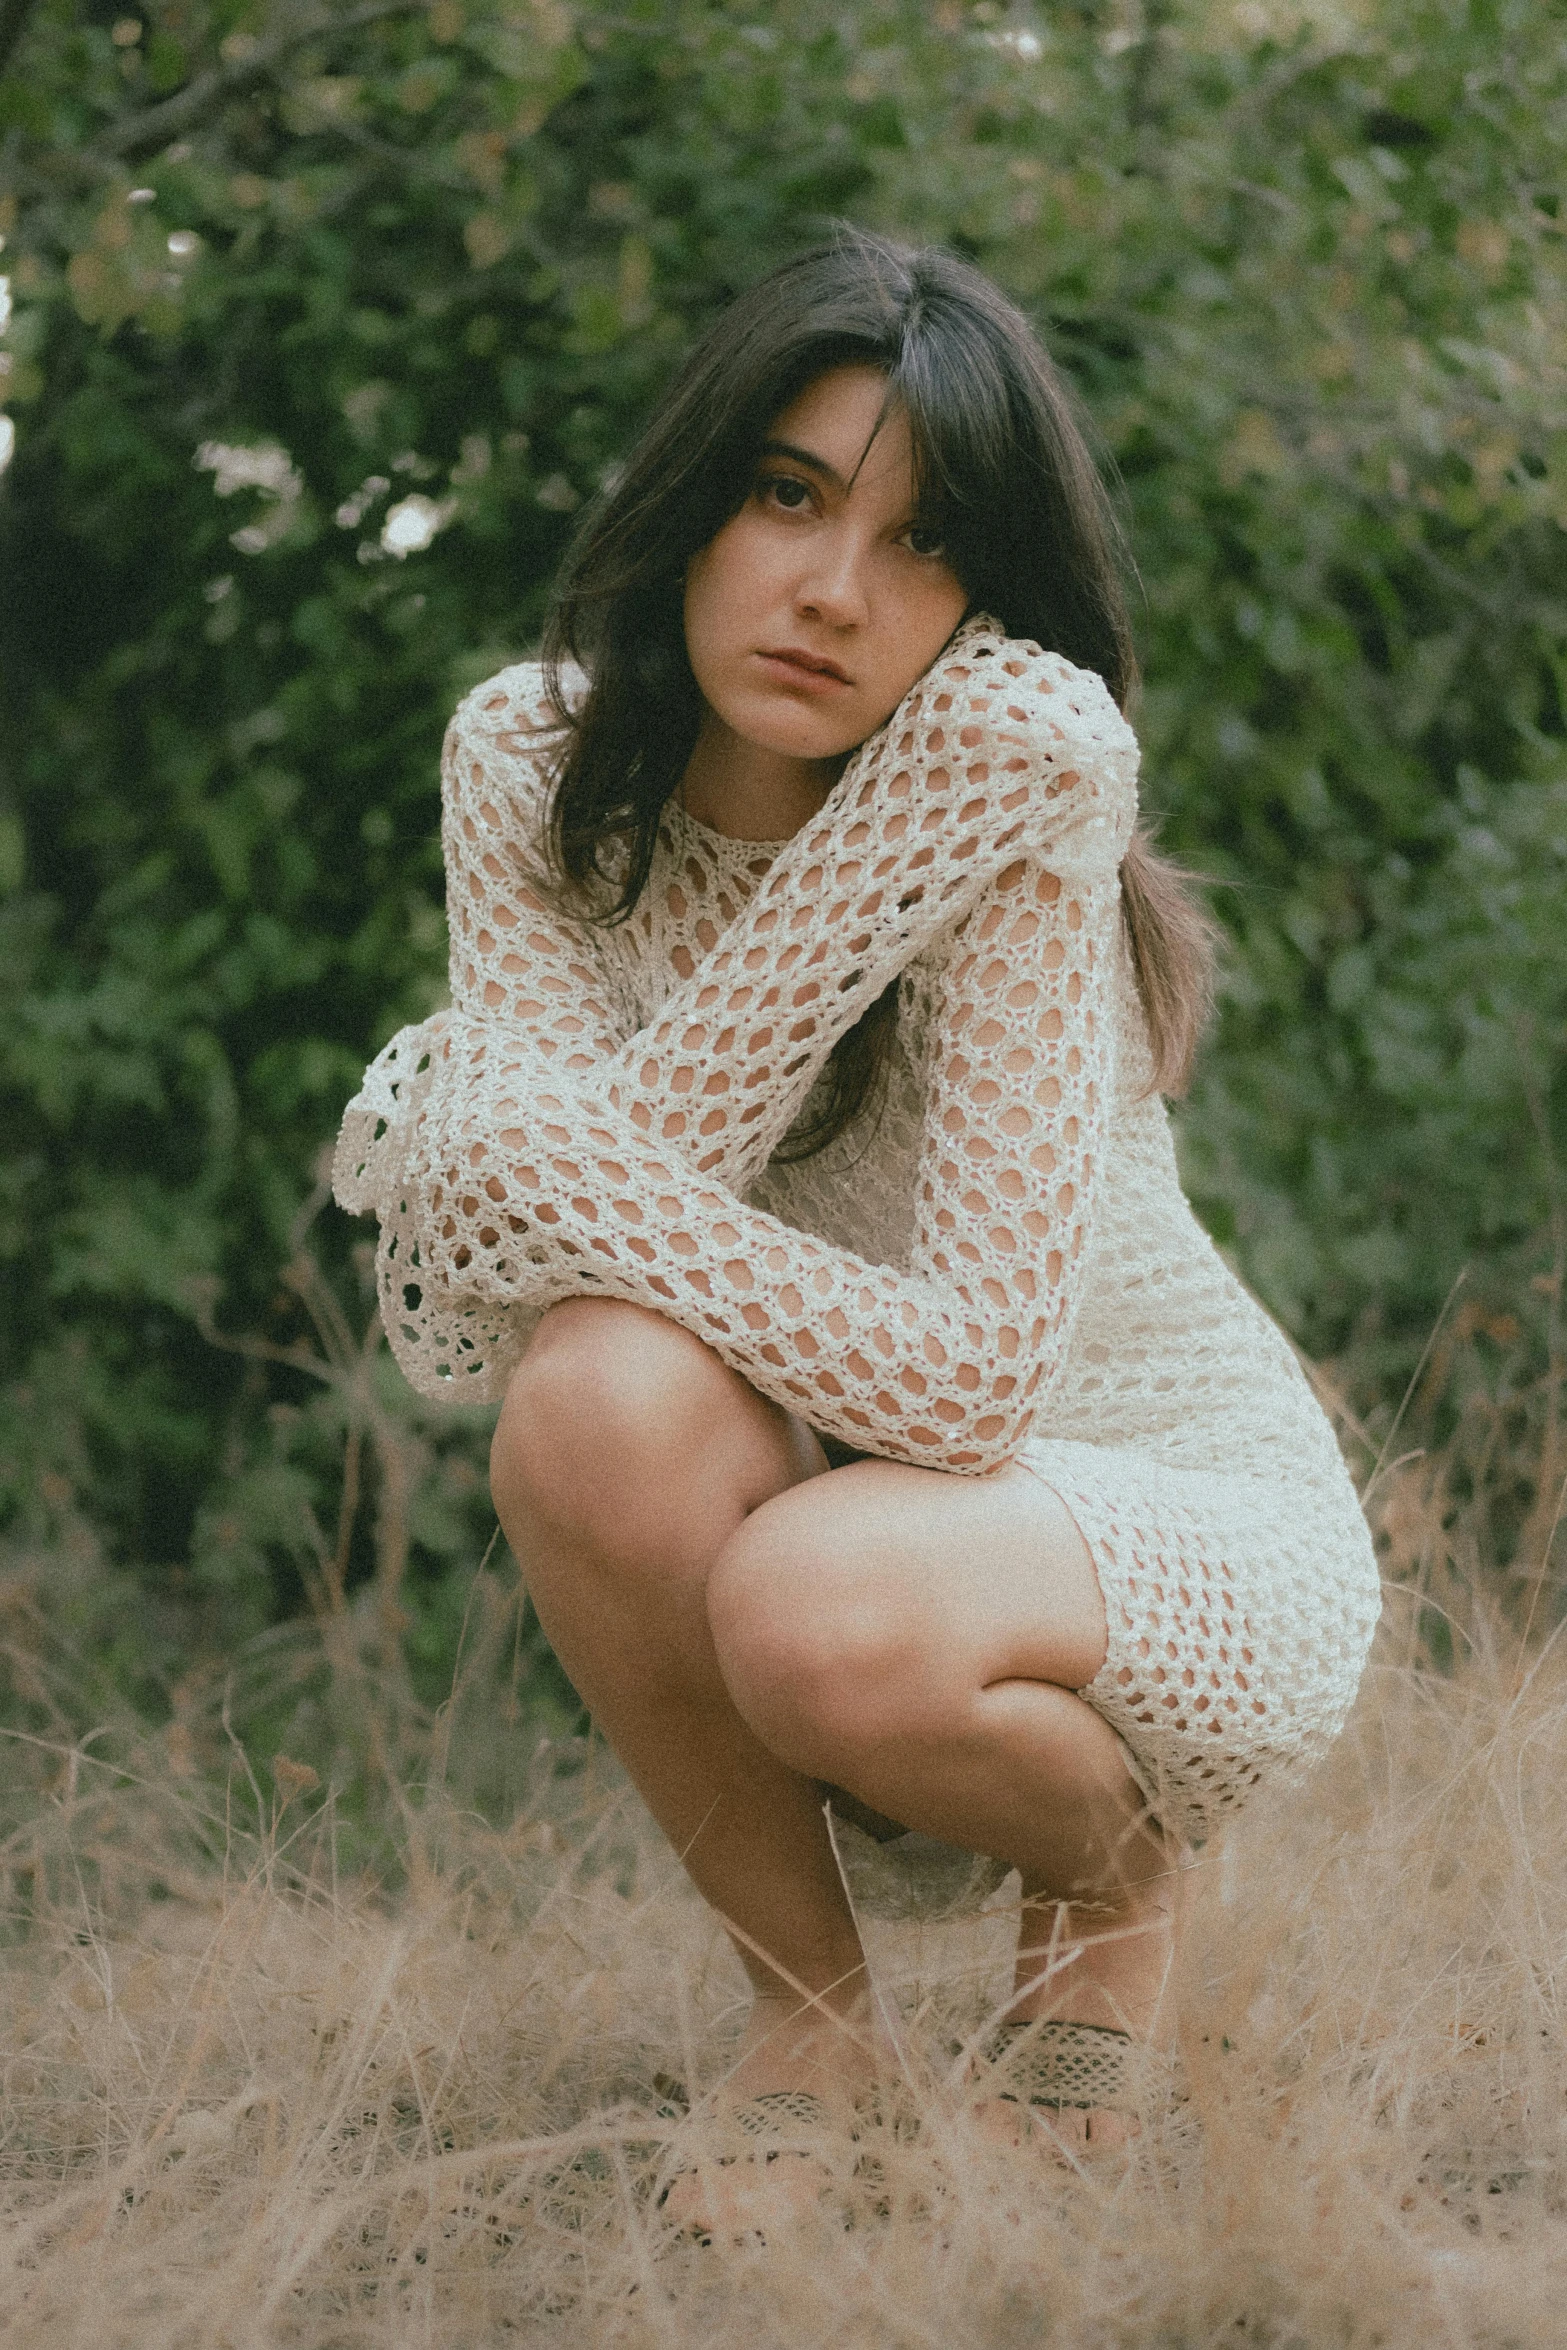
761, 2165
828, 2052
1079, 2050
1078, 2086
763, 2144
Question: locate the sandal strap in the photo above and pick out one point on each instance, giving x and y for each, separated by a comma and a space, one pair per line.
768, 2116
771, 2114
1082, 2066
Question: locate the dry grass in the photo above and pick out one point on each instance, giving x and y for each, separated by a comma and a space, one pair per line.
248, 2099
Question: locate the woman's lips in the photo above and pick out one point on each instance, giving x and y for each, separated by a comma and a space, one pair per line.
795, 668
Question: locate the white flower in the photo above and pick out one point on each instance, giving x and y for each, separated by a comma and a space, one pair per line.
7, 442
412, 523
267, 468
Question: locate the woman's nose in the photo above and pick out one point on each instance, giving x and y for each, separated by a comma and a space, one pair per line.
833, 583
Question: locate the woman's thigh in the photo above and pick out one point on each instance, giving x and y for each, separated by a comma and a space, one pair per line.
912, 1585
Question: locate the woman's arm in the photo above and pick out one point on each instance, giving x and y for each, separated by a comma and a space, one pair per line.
517, 956
514, 956
971, 764
520, 1184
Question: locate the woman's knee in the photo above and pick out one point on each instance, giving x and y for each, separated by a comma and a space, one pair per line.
589, 1411
820, 1653
615, 1431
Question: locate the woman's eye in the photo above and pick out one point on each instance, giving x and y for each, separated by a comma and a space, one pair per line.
786, 491
923, 541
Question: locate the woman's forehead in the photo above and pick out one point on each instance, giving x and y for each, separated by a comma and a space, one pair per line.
853, 426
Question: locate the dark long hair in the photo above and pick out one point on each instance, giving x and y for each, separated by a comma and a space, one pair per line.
1003, 474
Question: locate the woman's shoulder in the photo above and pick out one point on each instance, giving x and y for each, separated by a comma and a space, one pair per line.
515, 706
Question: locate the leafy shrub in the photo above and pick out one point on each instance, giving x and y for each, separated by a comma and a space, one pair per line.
324, 325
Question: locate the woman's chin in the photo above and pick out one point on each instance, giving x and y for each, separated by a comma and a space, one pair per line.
792, 733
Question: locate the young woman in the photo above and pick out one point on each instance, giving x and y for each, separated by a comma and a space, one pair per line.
791, 1165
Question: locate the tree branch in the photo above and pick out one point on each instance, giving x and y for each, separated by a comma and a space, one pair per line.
154, 126
13, 23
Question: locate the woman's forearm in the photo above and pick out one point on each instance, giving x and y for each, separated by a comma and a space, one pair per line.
525, 1191
979, 760
1000, 747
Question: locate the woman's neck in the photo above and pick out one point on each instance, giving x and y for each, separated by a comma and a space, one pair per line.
747, 792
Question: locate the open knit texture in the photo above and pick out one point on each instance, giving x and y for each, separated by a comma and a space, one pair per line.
1089, 2066
1001, 1267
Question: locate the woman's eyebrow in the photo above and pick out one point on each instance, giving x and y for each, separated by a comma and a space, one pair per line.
805, 457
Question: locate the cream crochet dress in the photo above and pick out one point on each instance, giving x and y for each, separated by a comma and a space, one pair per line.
1003, 1269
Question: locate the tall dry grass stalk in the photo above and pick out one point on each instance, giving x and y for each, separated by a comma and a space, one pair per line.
249, 2099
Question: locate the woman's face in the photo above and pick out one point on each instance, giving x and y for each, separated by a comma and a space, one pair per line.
817, 606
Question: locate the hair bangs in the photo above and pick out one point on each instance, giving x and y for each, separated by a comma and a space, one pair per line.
954, 394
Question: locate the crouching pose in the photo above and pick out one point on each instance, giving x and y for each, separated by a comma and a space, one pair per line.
792, 1168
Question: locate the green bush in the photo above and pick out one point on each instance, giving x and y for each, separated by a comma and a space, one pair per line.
325, 324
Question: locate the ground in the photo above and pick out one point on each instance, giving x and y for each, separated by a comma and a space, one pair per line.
283, 2105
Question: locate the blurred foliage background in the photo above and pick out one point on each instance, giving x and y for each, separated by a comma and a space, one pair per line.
320, 324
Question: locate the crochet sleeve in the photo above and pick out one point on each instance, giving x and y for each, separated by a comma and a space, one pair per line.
514, 956
1004, 788
542, 985
536, 990
725, 1065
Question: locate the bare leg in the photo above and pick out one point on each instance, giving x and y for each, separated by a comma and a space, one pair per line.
744, 1627
626, 1456
918, 1640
